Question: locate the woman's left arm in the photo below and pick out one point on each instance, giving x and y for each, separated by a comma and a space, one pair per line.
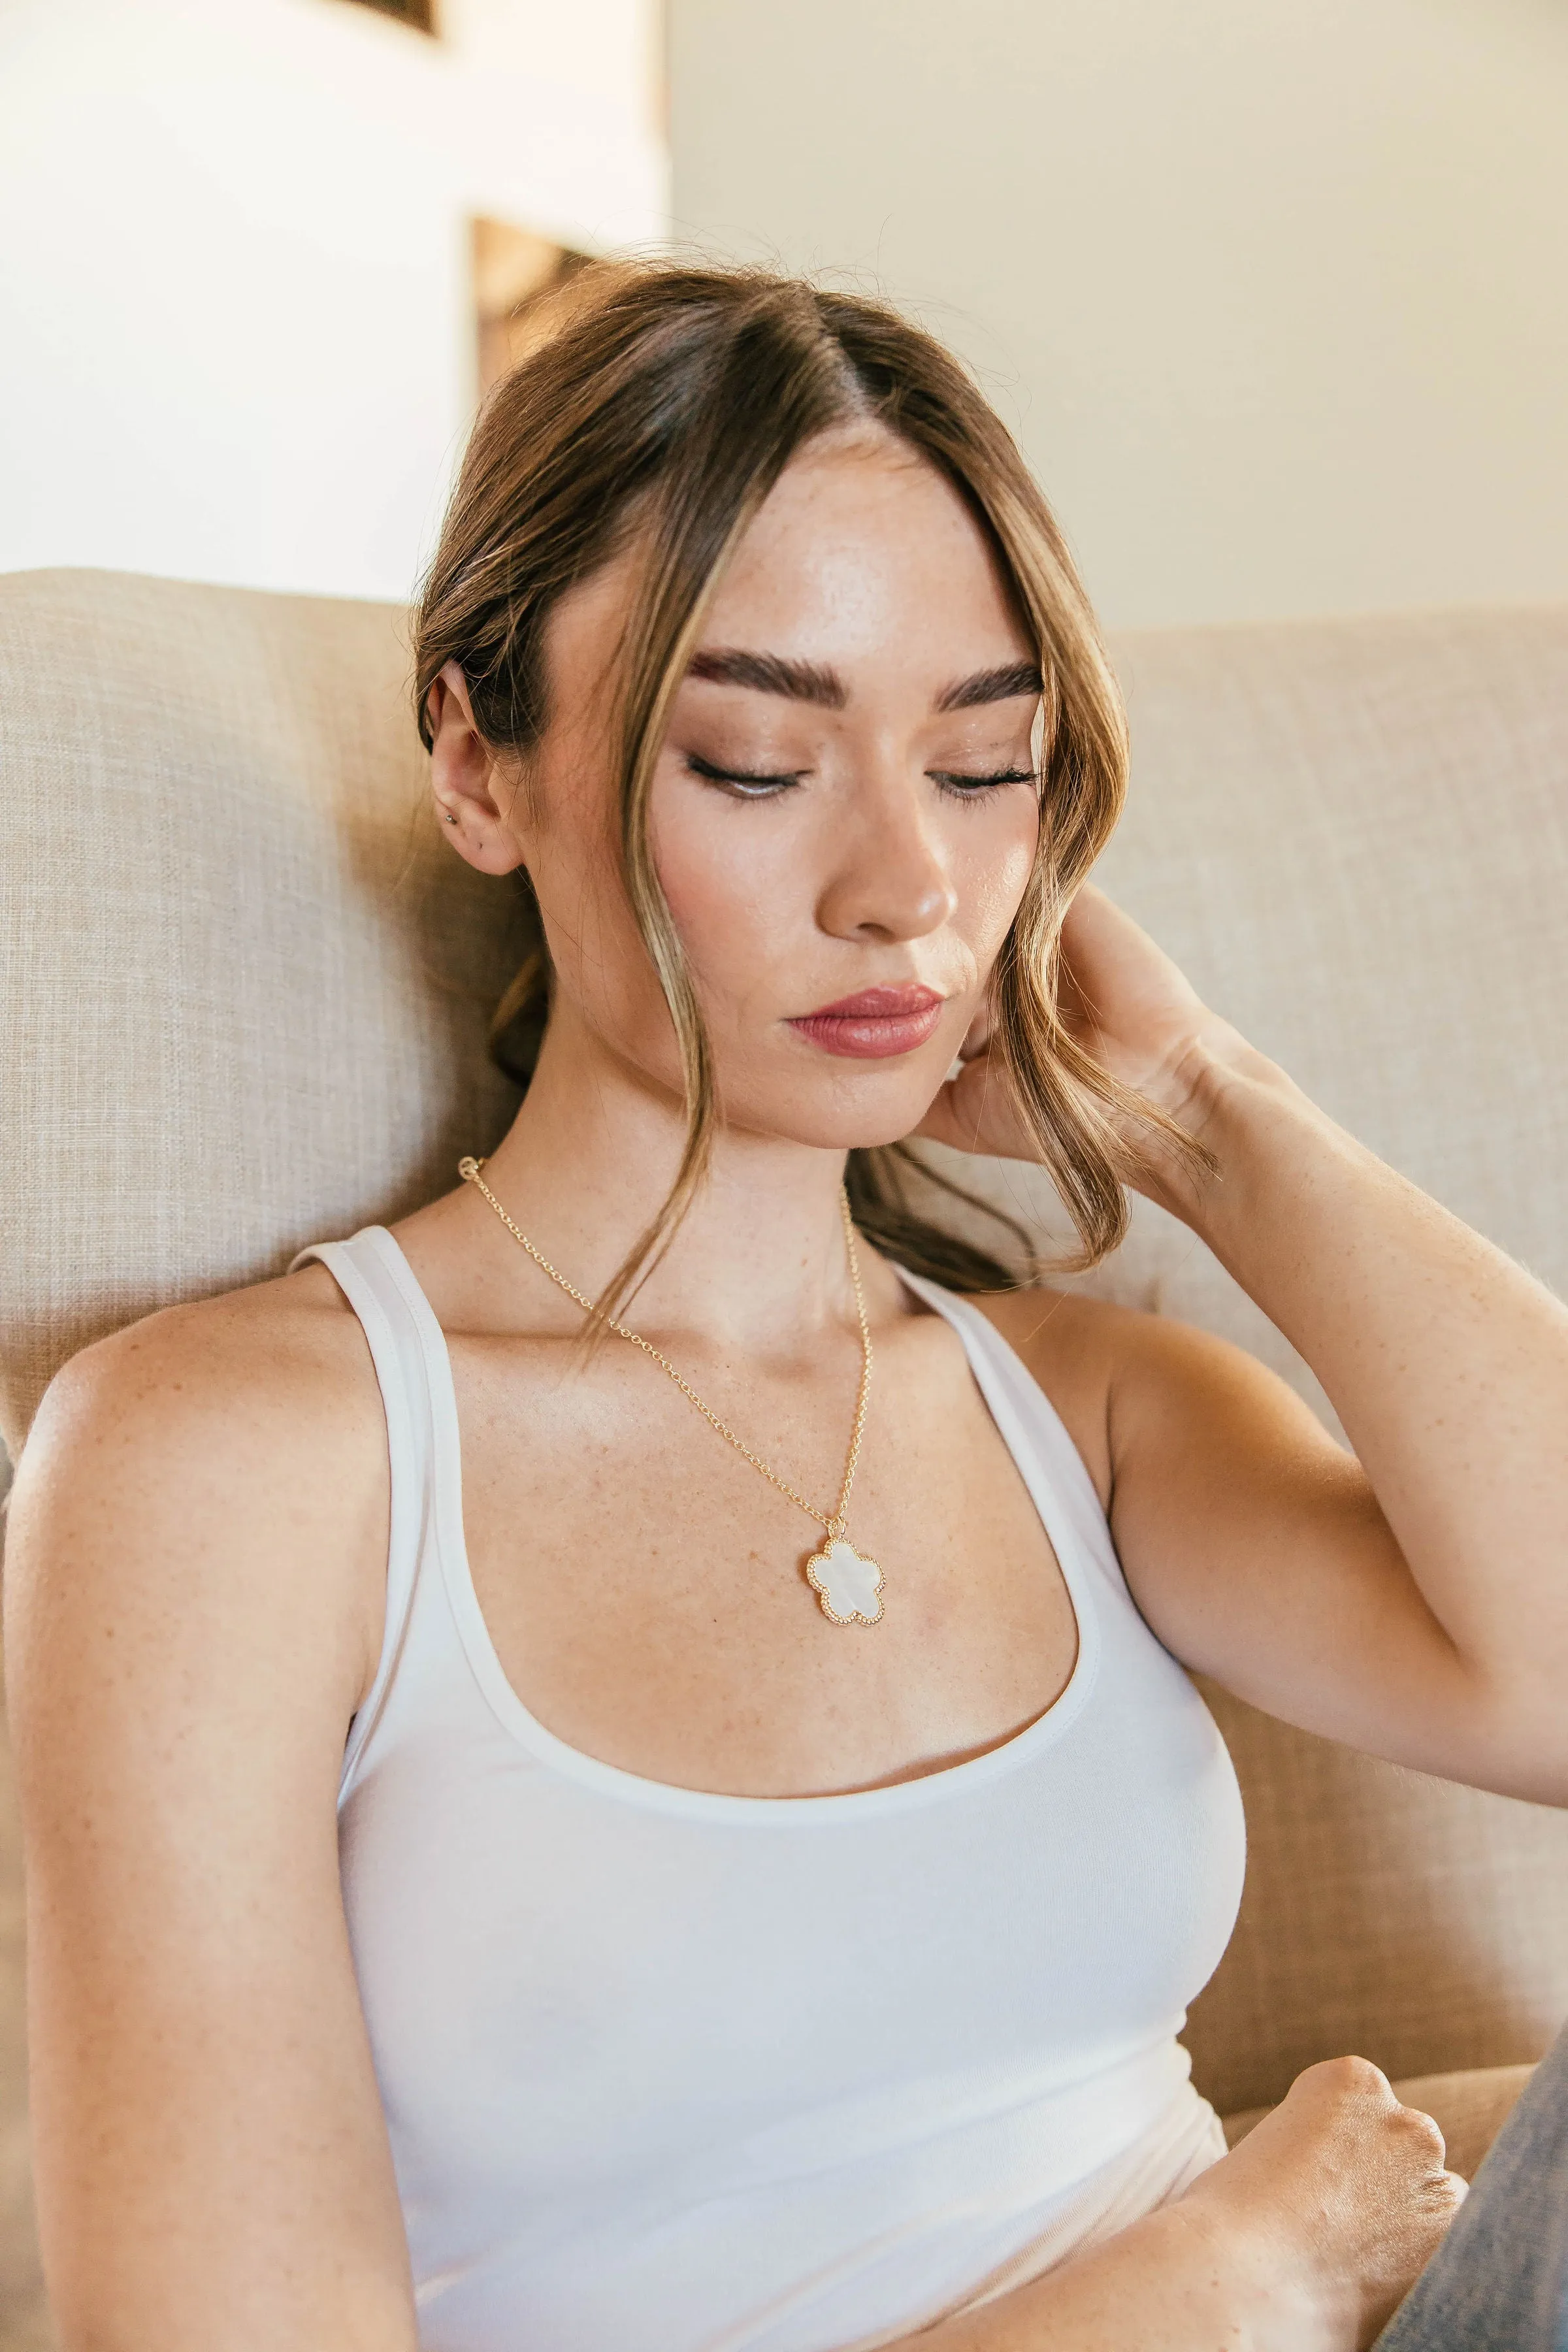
1413, 1601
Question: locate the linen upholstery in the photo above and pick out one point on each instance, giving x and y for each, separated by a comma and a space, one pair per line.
242, 1007
1353, 836
243, 991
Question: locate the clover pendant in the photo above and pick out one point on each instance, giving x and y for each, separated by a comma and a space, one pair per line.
847, 1585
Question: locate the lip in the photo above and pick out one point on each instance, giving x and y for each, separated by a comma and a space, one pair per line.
873, 1023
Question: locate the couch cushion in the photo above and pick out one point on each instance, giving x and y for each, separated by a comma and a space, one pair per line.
1353, 836
243, 986
243, 993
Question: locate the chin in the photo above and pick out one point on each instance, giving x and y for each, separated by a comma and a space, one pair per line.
840, 1113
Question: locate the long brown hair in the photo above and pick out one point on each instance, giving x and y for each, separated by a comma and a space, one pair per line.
663, 401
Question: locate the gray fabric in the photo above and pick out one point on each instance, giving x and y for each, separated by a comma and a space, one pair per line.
1499, 2282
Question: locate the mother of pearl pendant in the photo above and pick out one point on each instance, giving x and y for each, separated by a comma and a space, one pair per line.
847, 1585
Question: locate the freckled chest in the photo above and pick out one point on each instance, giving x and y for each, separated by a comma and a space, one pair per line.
646, 1591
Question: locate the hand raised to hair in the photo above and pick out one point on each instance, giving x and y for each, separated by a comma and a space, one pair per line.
1121, 998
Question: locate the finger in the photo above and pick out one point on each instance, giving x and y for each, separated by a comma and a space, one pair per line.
957, 1113
940, 1124
976, 1038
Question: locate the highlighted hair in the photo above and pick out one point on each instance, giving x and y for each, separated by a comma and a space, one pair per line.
663, 402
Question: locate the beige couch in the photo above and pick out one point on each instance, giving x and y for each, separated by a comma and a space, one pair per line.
244, 1003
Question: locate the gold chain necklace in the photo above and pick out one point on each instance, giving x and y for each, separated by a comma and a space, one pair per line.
847, 1585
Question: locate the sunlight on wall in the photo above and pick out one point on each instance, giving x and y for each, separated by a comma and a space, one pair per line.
241, 342
1276, 296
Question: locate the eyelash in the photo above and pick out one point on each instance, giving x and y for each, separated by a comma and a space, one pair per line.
748, 787
971, 788
764, 787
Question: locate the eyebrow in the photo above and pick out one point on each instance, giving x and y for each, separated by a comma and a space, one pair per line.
811, 682
770, 674
993, 686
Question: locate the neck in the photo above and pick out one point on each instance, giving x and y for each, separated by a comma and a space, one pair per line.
759, 1256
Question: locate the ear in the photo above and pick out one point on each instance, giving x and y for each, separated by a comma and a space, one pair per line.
475, 802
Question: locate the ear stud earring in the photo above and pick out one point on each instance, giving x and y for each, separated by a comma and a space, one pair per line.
449, 817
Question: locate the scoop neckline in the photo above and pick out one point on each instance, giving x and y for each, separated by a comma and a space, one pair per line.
840, 1805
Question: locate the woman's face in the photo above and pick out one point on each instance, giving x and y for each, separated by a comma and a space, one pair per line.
844, 813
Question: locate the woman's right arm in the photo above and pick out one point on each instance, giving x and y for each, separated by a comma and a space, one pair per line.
194, 1572
1304, 2239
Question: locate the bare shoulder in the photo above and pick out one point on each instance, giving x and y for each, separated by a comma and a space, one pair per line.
194, 1583
256, 1387
1121, 1378
267, 1334
227, 1455
1072, 1347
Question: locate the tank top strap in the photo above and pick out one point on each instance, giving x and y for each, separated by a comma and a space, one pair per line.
374, 1277
1036, 1434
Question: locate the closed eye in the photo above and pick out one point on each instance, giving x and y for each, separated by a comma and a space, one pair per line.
971, 787
748, 783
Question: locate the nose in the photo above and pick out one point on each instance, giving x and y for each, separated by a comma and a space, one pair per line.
887, 876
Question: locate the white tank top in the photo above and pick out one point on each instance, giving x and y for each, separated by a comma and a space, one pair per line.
697, 2073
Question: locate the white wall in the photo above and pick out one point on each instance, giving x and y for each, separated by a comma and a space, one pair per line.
1278, 295
233, 274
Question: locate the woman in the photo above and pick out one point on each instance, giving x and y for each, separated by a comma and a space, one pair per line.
539, 1841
